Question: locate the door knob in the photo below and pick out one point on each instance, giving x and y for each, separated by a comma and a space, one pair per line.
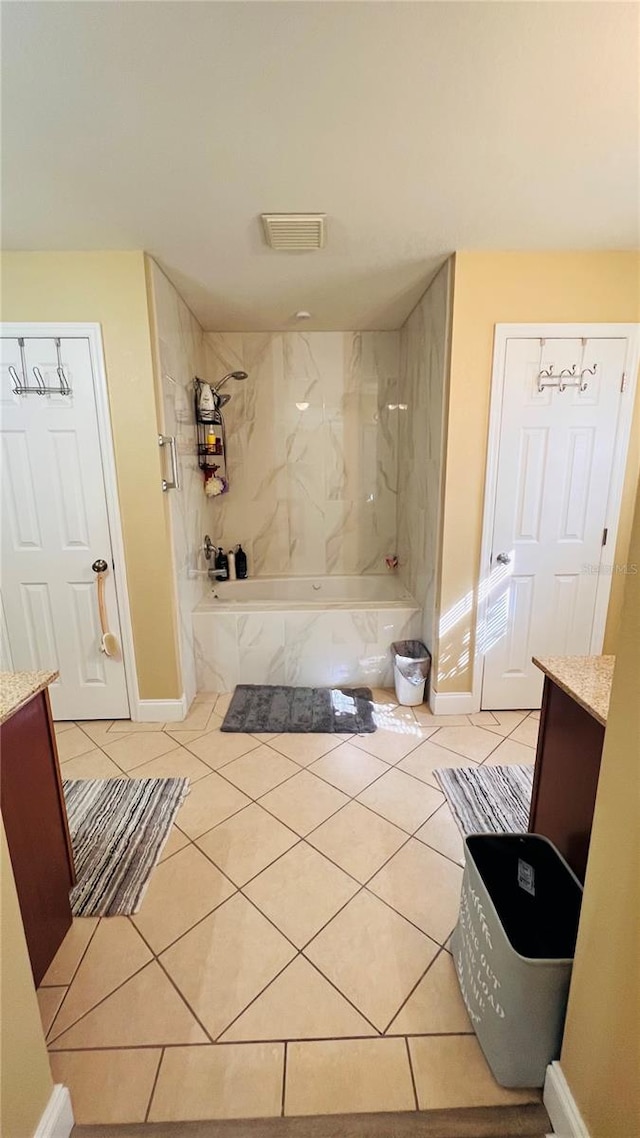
100, 566
503, 559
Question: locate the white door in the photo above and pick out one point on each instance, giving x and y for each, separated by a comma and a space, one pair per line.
54, 526
555, 462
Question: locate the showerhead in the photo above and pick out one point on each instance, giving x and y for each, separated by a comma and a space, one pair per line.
230, 375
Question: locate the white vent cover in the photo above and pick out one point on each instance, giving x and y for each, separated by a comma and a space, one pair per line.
294, 232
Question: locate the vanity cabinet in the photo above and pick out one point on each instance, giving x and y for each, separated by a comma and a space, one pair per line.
35, 819
575, 703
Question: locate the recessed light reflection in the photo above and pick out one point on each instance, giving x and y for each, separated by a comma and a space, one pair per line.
302, 406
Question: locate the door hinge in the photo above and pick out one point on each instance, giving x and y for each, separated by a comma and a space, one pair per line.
623, 384
604, 535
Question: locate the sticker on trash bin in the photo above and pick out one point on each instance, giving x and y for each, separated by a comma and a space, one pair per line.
526, 877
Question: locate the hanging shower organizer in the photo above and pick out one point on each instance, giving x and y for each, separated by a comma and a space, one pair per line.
211, 441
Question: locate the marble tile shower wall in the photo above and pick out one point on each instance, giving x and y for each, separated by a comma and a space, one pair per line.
313, 449
424, 363
181, 355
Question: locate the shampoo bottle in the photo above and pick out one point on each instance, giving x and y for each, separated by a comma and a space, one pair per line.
241, 563
231, 558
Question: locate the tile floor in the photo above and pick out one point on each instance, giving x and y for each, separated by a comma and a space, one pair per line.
290, 954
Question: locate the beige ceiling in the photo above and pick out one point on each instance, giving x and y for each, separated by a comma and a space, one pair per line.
418, 128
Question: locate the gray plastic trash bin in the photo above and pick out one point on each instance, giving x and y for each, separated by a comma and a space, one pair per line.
411, 666
513, 950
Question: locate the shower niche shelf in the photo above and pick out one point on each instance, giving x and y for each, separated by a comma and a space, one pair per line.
211, 445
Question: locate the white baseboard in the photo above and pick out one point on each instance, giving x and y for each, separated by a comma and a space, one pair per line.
57, 1120
160, 710
561, 1106
452, 703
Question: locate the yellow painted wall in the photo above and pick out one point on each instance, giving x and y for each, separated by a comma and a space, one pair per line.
25, 1078
496, 288
601, 1049
110, 289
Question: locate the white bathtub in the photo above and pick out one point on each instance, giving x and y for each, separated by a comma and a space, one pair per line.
301, 630
269, 593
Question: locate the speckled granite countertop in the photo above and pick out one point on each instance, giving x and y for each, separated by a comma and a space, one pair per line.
17, 688
587, 679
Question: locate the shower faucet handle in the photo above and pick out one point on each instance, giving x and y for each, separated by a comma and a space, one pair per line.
208, 547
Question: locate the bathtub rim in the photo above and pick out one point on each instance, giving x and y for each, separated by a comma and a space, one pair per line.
209, 604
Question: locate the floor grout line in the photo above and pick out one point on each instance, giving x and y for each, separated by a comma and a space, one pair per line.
154, 1085
411, 1072
415, 986
221, 1044
284, 1079
75, 973
54, 1038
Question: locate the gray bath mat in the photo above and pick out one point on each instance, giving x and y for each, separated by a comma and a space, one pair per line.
118, 829
488, 800
278, 709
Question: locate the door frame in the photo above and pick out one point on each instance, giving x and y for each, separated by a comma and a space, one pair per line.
93, 333
592, 331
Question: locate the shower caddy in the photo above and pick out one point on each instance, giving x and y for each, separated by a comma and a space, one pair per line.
212, 457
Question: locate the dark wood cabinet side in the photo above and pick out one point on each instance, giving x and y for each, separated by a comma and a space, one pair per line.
566, 776
37, 831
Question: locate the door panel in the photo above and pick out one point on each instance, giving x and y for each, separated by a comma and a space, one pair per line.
55, 525
555, 461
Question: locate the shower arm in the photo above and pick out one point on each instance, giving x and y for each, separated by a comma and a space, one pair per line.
229, 375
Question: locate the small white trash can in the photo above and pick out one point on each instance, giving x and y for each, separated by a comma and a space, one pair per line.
411, 666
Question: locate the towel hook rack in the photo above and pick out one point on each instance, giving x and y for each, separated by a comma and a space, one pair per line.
559, 379
22, 387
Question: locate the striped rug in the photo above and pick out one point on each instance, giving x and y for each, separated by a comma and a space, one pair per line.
118, 829
488, 800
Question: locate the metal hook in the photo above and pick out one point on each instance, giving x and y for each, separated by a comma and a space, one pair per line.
64, 386
17, 385
40, 381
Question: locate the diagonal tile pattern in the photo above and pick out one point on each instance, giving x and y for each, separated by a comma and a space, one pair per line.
247, 843
286, 954
396, 953
358, 840
211, 800
116, 953
422, 885
299, 1004
303, 802
145, 1010
183, 890
348, 768
260, 771
225, 961
401, 799
435, 1007
301, 892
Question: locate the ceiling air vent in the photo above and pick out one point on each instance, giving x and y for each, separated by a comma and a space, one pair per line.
294, 232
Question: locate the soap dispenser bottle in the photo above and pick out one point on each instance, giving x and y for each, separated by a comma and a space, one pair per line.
241, 563
222, 565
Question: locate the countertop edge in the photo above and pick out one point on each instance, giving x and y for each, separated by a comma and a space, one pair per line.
33, 688
563, 683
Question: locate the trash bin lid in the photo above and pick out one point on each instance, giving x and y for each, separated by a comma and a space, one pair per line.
536, 895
